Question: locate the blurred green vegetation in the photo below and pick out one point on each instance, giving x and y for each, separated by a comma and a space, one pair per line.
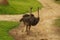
57, 1
19, 6
57, 22
5, 26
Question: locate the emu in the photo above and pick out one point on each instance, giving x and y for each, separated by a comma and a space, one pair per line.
30, 20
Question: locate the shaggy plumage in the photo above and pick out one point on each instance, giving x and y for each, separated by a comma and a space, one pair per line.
29, 20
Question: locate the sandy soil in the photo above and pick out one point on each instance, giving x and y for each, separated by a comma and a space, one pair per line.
44, 29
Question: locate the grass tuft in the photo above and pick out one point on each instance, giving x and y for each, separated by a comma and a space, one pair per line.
5, 26
57, 22
57, 1
19, 6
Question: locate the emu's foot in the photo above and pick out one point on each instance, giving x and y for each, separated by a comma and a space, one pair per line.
27, 33
25, 30
22, 31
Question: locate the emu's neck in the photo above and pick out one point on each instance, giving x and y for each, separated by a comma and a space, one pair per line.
38, 12
31, 10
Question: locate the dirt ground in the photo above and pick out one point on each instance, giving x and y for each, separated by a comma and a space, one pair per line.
44, 30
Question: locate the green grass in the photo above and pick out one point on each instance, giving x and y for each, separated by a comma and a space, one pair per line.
57, 22
5, 26
19, 6
57, 1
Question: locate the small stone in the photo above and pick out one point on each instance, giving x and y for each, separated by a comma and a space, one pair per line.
44, 39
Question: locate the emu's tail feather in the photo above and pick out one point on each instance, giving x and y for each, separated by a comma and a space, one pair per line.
21, 20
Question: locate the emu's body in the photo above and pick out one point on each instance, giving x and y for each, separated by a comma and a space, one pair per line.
29, 20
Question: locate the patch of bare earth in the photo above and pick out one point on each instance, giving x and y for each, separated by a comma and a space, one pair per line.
44, 29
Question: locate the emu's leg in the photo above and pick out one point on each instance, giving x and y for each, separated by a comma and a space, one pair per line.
29, 28
28, 31
26, 28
